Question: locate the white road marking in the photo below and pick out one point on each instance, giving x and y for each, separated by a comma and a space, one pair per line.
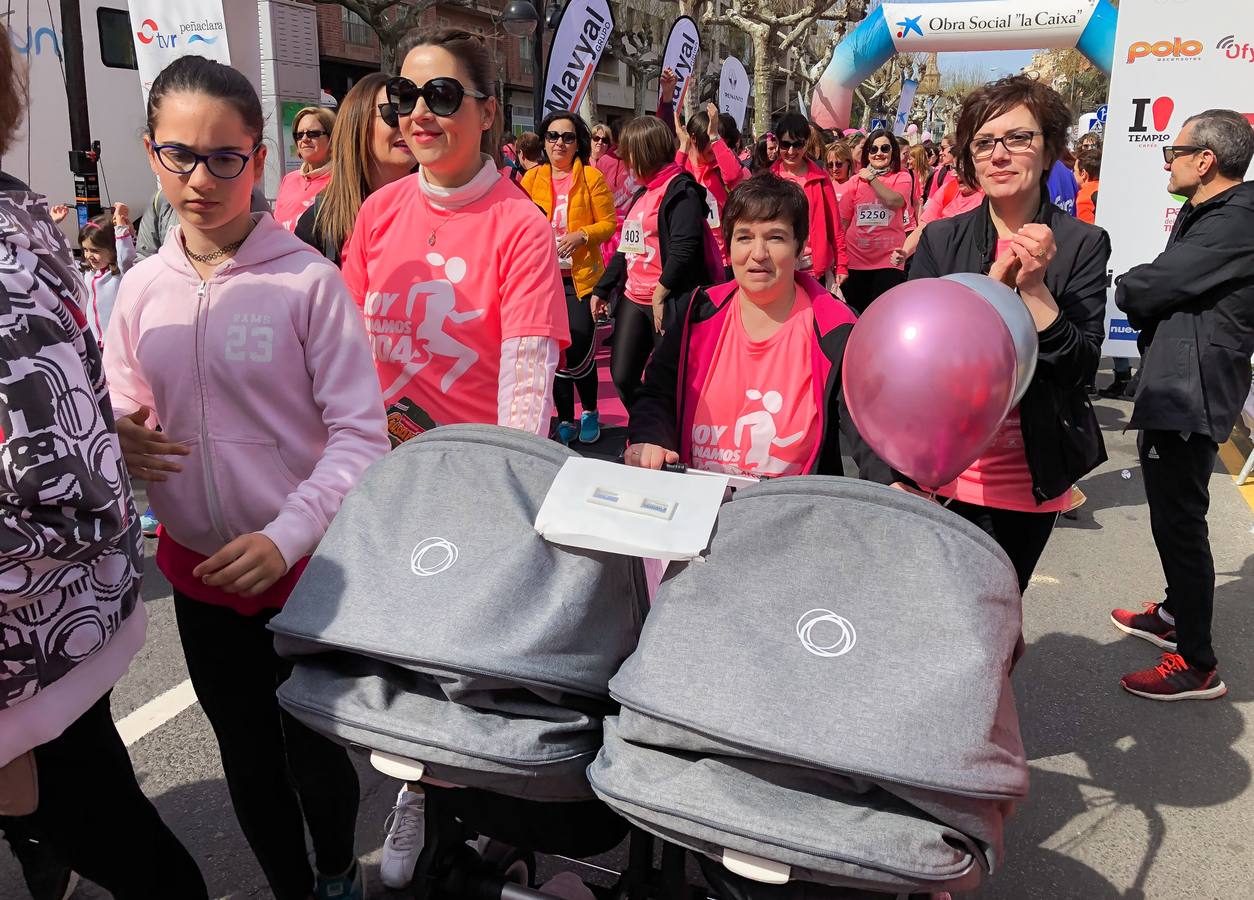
156, 712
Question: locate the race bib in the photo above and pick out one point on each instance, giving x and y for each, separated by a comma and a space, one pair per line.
873, 215
713, 219
632, 242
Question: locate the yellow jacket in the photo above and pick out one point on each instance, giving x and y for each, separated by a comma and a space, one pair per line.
590, 210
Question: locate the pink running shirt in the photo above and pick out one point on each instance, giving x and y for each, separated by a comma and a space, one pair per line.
874, 231
757, 413
437, 313
641, 243
561, 211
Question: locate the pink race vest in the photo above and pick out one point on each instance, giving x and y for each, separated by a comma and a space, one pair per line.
641, 244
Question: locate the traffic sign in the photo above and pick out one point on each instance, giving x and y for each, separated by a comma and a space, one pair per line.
1101, 113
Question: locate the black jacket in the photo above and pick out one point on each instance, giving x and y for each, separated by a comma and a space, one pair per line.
681, 236
1061, 437
1194, 305
309, 232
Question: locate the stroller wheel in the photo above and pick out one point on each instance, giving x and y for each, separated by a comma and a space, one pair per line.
514, 865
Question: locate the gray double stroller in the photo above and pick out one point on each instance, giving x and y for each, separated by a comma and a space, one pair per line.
817, 707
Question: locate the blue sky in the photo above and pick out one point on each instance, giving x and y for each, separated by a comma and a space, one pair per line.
995, 62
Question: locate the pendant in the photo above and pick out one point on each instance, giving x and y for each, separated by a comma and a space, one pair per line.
431, 240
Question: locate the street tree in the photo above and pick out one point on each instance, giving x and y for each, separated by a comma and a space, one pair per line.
390, 20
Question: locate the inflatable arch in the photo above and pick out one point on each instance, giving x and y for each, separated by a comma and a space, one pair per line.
1086, 25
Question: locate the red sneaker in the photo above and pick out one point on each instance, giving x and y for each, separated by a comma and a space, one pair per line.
1148, 625
1174, 679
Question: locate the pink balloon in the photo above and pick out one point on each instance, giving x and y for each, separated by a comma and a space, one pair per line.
929, 374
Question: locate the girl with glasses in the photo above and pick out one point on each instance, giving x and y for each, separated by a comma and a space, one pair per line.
824, 253
311, 133
1010, 134
367, 153
706, 156
873, 214
240, 374
580, 207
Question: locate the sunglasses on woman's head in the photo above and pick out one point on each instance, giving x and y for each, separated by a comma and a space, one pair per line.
791, 145
566, 137
443, 96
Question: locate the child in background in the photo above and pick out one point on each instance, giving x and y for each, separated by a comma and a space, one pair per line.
108, 245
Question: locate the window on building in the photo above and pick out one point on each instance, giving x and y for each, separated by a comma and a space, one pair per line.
117, 47
525, 53
356, 31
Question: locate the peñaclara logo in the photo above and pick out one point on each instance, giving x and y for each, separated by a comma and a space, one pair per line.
204, 32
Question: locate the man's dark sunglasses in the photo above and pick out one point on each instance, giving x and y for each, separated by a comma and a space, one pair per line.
791, 145
443, 96
1170, 153
312, 135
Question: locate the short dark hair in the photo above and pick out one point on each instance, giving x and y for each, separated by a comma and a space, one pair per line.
1228, 135
529, 147
1090, 162
992, 100
729, 131
793, 124
583, 134
198, 75
647, 146
767, 198
698, 129
869, 142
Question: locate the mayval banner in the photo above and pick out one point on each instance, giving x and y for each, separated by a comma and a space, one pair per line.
578, 43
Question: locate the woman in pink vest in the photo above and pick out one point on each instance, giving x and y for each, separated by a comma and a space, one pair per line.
704, 155
751, 382
311, 132
824, 254
607, 161
661, 253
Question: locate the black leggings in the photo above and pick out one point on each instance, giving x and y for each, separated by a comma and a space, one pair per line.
634, 340
276, 768
864, 285
93, 817
1023, 535
580, 369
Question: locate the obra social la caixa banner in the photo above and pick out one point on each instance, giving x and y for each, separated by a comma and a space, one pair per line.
168, 29
1172, 59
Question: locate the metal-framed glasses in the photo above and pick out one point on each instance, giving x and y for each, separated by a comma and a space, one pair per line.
180, 160
1014, 142
1170, 153
443, 96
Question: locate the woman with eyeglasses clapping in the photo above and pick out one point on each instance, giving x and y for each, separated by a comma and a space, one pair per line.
873, 216
367, 153
580, 207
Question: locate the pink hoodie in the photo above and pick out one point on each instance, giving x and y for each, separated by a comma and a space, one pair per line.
263, 371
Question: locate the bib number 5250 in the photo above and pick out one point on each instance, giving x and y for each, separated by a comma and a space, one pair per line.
872, 215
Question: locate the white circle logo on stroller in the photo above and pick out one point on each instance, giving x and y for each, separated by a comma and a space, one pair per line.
432, 556
846, 637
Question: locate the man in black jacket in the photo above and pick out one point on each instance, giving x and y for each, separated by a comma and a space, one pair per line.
1194, 305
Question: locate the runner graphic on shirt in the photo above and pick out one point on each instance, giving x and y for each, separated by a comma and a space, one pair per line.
430, 338
763, 434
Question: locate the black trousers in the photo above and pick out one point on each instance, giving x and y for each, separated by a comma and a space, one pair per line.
579, 371
1023, 535
1177, 486
864, 285
281, 775
634, 341
93, 817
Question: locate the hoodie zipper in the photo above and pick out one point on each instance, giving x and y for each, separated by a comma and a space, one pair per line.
211, 487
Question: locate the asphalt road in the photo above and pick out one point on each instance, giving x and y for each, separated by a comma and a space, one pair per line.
1130, 798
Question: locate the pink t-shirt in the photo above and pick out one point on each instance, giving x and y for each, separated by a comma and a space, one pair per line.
561, 208
1000, 477
641, 244
874, 231
297, 193
757, 413
945, 204
437, 313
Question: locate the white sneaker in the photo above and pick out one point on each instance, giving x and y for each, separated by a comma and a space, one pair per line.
404, 841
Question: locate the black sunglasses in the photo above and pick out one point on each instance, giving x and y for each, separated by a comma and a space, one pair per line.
791, 145
443, 96
1170, 154
312, 135
600, 139
881, 148
387, 112
566, 137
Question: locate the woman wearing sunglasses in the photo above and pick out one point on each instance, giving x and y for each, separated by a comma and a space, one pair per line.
368, 152
311, 133
706, 157
245, 346
607, 161
824, 253
873, 215
1009, 135
580, 207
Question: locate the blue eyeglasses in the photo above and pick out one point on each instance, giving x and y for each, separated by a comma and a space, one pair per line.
225, 164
